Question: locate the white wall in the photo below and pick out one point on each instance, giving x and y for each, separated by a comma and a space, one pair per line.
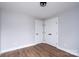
69, 30
17, 30
51, 27
0, 29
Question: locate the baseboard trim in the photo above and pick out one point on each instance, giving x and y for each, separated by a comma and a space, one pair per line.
66, 50
32, 44
69, 51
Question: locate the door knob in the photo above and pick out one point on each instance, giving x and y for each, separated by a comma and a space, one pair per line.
37, 34
50, 34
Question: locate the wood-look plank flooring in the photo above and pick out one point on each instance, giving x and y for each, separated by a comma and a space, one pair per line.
39, 50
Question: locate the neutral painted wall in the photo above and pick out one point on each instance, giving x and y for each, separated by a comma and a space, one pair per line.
0, 29
17, 30
69, 30
51, 27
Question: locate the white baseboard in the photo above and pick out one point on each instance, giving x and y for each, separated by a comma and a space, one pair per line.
69, 51
32, 44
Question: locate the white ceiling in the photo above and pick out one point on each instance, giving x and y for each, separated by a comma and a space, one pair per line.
35, 10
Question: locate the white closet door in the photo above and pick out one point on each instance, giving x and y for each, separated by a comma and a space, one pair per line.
51, 31
38, 30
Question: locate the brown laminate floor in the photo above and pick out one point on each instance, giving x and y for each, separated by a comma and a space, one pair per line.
39, 50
